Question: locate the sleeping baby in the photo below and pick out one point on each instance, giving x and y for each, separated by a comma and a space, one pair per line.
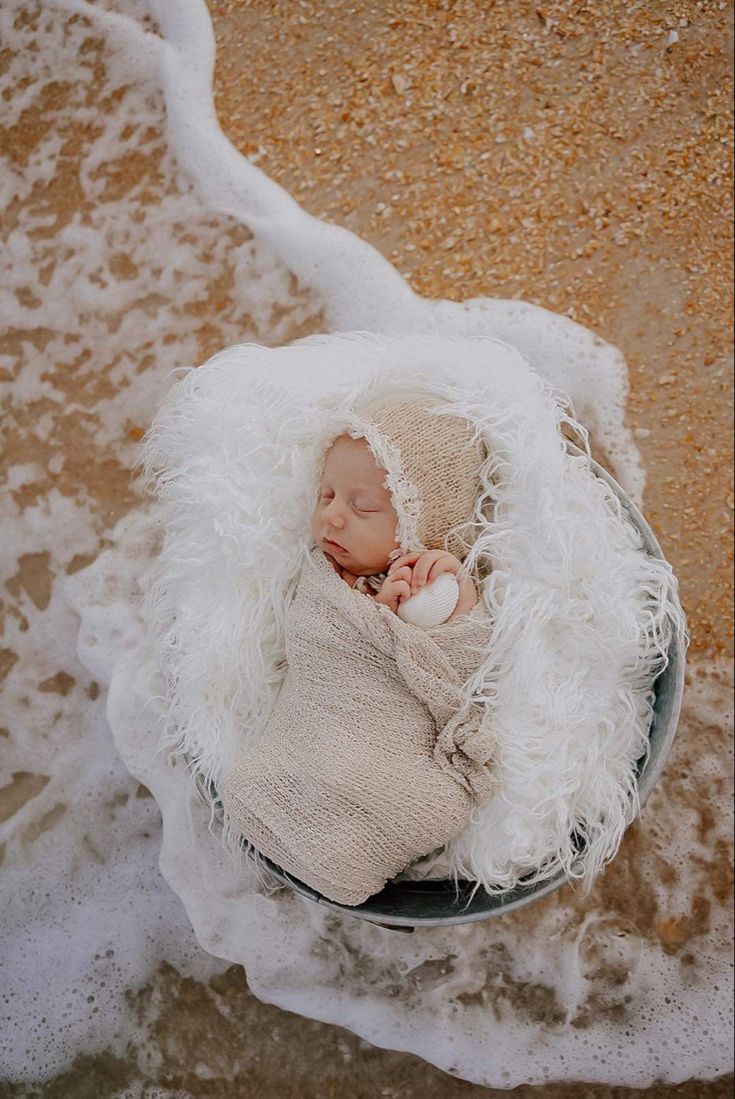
355, 506
375, 753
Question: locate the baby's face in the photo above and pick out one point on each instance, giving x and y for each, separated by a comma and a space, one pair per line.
354, 520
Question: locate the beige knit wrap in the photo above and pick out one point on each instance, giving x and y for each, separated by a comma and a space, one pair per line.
370, 758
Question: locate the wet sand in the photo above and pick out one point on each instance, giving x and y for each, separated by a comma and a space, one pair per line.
576, 162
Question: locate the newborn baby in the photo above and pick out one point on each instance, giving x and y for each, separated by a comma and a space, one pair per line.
355, 524
374, 753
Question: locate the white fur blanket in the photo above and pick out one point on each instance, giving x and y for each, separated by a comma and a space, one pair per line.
582, 615
371, 756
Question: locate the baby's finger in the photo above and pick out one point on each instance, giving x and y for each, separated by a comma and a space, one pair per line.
447, 563
404, 573
407, 559
423, 567
402, 590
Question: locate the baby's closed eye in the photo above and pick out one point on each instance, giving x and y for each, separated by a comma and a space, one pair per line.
364, 507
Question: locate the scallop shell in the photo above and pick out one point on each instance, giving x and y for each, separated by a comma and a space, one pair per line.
433, 604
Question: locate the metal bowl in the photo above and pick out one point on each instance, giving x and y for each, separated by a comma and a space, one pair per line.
405, 905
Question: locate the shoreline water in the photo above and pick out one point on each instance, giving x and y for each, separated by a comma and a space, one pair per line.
90, 396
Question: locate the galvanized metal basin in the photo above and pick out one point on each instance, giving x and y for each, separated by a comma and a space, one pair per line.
405, 905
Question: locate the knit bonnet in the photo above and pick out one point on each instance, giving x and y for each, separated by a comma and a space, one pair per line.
432, 463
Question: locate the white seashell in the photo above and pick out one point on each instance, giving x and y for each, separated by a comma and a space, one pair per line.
431, 605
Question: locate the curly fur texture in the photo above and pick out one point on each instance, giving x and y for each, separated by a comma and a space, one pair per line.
584, 616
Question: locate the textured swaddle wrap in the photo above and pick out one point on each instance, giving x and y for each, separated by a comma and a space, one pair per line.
370, 758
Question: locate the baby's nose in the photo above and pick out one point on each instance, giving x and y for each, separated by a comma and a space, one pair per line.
333, 514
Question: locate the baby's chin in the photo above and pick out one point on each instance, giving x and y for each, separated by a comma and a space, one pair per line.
362, 569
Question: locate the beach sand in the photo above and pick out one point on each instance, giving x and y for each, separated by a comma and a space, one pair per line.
603, 192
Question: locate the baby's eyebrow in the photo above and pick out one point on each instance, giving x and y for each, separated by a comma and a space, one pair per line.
362, 490
365, 495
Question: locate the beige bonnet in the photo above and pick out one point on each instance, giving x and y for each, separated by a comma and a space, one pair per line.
433, 464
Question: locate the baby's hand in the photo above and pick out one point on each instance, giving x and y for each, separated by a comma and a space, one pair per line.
395, 588
427, 565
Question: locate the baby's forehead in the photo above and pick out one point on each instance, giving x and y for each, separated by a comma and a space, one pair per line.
353, 460
346, 449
